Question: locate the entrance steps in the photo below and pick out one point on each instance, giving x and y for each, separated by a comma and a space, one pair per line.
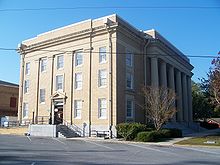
66, 132
186, 127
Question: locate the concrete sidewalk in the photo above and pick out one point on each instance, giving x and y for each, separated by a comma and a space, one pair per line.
165, 143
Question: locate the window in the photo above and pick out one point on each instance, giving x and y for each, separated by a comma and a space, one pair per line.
27, 68
25, 110
59, 82
102, 55
42, 95
129, 59
78, 81
102, 103
102, 78
129, 108
79, 58
43, 64
77, 108
129, 81
60, 62
13, 102
26, 86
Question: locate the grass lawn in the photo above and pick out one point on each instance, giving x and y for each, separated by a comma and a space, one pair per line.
14, 130
202, 141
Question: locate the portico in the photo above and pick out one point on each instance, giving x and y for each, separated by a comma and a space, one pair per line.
167, 70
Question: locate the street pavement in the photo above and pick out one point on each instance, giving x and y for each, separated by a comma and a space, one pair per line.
38, 150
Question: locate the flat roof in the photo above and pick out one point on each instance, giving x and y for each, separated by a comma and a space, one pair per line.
5, 83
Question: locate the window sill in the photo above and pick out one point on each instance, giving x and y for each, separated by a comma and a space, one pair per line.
102, 118
60, 68
79, 65
103, 86
104, 62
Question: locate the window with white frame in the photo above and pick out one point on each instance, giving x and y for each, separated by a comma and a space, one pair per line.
129, 108
26, 86
60, 61
129, 59
102, 103
78, 81
59, 82
43, 64
27, 68
129, 80
102, 78
25, 110
102, 55
77, 108
78, 58
42, 95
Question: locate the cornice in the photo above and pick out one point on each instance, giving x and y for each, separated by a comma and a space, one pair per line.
158, 43
69, 37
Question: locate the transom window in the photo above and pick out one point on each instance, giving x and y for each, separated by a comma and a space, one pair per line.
43, 64
102, 103
78, 81
102, 78
77, 108
102, 55
59, 82
60, 61
79, 59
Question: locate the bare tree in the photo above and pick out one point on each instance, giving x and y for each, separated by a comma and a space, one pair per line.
160, 104
214, 80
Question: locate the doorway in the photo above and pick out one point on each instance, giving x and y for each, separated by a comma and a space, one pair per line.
58, 112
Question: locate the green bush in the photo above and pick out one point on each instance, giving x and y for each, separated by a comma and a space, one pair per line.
153, 136
147, 136
175, 133
130, 130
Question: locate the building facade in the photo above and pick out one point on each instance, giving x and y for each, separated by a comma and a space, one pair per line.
8, 99
89, 74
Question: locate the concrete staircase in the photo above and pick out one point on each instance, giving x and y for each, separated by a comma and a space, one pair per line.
187, 128
66, 132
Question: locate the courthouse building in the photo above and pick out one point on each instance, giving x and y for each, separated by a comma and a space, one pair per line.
90, 74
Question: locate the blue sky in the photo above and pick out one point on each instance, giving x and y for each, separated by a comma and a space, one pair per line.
193, 31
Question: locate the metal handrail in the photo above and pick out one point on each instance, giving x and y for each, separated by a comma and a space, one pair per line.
43, 119
75, 128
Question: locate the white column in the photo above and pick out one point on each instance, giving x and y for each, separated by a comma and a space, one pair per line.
163, 76
185, 99
189, 86
154, 72
179, 96
172, 85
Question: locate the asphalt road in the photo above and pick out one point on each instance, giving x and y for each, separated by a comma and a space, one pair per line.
35, 151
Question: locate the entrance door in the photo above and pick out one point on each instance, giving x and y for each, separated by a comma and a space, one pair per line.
58, 112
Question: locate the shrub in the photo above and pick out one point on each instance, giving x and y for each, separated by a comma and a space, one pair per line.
130, 130
148, 136
175, 133
153, 136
